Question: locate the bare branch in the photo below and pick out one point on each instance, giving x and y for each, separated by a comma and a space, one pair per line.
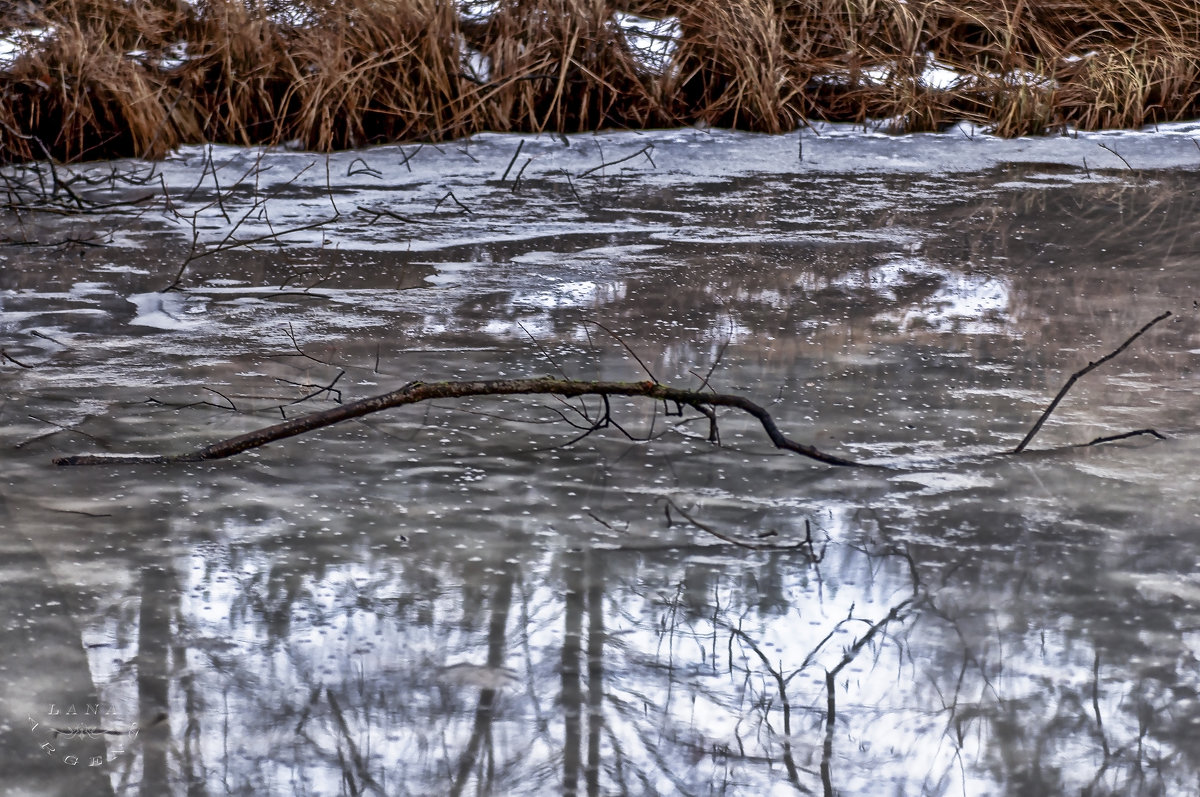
1082, 372
416, 392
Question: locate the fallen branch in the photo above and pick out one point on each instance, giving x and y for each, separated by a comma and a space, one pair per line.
416, 392
1082, 372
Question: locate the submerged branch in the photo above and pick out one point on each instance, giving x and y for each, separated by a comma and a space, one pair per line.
416, 392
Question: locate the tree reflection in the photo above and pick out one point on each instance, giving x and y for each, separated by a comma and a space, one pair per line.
159, 595
481, 733
689, 669
685, 666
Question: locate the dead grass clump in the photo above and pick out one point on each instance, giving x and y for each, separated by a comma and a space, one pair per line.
733, 68
1018, 103
560, 65
376, 71
329, 75
1131, 86
238, 71
79, 97
89, 83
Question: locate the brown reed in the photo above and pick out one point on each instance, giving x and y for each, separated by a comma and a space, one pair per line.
330, 75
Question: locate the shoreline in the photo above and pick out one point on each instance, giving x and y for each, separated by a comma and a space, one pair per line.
97, 79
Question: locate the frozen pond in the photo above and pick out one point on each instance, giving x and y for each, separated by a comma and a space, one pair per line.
474, 597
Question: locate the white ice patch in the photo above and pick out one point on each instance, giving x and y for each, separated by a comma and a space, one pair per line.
968, 130
478, 13
938, 482
653, 41
170, 311
167, 59
938, 76
476, 65
941, 77
883, 280
498, 327
17, 42
935, 75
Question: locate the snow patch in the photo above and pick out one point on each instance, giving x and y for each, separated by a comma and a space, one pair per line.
170, 311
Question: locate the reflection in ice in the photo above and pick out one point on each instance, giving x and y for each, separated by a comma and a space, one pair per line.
964, 303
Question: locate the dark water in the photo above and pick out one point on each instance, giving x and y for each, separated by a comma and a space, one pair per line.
458, 599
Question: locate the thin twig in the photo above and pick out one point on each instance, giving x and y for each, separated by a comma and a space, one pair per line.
408, 157
1113, 151
232, 406
521, 171
542, 349
750, 546
364, 168
571, 185
13, 360
1082, 372
1124, 435
643, 151
450, 195
520, 146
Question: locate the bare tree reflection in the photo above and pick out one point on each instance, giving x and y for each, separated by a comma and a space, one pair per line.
687, 669
481, 733
595, 674
159, 596
572, 647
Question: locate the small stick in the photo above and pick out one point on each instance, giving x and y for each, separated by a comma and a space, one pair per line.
450, 195
571, 185
549, 357
1081, 372
378, 213
1113, 151
5, 355
407, 157
232, 406
1124, 435
44, 336
521, 171
520, 146
751, 546
217, 184
360, 166
643, 151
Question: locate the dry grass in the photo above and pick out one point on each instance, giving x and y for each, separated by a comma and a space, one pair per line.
353, 72
734, 67
559, 65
